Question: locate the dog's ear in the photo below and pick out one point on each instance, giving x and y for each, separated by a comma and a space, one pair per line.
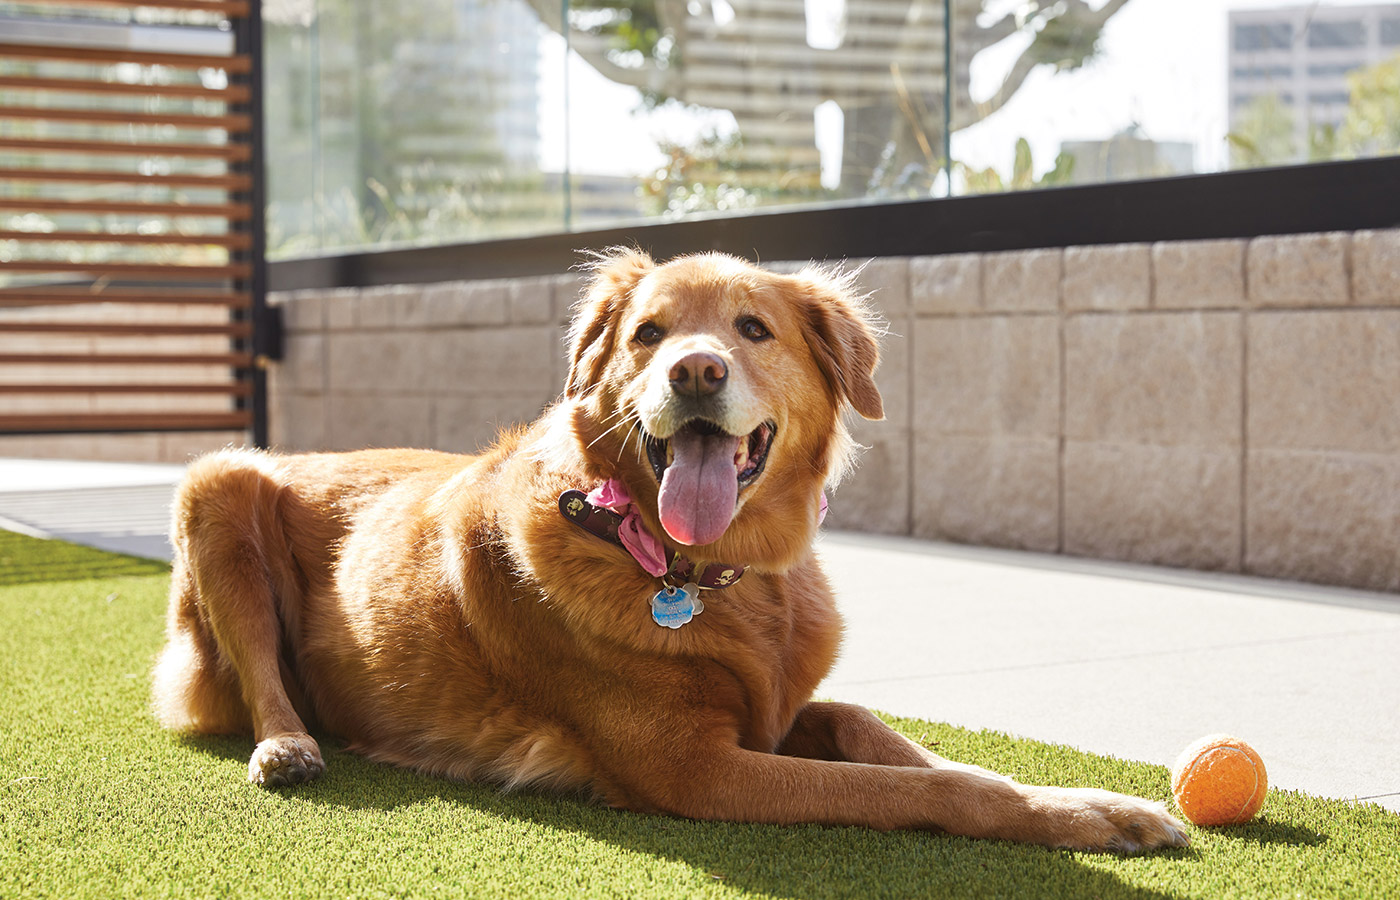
615, 273
841, 334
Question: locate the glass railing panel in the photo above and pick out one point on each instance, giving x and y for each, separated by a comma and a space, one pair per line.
1083, 93
410, 123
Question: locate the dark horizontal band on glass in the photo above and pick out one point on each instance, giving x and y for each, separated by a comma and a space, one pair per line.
1336, 196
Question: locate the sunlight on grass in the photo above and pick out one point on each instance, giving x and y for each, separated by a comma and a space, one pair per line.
99, 802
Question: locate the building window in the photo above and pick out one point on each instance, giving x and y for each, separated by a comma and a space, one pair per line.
1283, 97
1329, 35
1328, 98
1390, 32
1272, 36
1267, 73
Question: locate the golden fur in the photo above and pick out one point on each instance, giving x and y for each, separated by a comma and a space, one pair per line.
438, 612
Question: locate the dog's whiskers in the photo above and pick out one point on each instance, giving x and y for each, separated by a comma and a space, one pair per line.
621, 421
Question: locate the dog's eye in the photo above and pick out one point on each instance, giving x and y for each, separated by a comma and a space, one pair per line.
753, 329
649, 334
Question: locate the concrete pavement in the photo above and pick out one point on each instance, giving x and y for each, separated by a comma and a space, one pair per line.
122, 507
1122, 660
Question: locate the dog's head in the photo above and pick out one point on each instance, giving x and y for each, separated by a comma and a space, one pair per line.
715, 391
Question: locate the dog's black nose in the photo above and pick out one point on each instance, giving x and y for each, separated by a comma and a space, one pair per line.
698, 374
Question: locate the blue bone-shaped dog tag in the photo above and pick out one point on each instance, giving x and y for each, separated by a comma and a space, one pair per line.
672, 607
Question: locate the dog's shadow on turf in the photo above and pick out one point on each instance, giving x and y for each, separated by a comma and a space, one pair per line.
220, 746
807, 861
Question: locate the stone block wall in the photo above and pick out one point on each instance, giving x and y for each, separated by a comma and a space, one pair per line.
441, 365
1224, 405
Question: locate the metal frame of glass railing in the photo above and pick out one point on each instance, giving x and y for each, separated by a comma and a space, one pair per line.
1320, 197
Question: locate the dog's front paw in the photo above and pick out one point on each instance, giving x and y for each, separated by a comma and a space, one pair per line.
285, 759
1102, 821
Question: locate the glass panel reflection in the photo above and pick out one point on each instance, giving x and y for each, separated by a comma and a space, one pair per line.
406, 123
431, 121
1153, 88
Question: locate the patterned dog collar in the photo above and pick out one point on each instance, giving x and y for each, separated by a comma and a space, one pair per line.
603, 523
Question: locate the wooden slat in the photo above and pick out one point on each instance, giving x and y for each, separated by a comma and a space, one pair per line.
234, 9
234, 93
32, 423
116, 370
20, 297
234, 122
231, 389
232, 240
232, 360
124, 329
232, 211
239, 64
230, 152
150, 270
235, 182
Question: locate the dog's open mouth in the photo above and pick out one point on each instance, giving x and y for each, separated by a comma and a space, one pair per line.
701, 469
751, 453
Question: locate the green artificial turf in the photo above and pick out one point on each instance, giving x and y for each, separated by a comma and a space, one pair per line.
25, 559
99, 802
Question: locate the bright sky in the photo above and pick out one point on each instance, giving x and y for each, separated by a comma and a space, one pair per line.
609, 134
1163, 66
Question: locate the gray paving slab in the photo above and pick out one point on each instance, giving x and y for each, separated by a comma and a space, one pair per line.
1124, 660
122, 507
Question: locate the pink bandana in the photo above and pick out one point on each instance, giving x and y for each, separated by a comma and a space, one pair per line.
649, 552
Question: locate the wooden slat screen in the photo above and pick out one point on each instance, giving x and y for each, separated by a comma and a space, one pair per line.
129, 246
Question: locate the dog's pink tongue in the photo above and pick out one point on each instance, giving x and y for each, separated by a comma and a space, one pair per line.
700, 487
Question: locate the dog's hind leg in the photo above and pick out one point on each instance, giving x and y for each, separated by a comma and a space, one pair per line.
195, 689
229, 544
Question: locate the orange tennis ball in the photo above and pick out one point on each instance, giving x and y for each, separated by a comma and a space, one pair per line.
1219, 780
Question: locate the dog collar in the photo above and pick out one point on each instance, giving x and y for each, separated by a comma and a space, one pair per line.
626, 531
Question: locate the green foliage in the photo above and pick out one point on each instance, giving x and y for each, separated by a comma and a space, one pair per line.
639, 37
712, 175
634, 23
1263, 134
1264, 131
990, 181
422, 208
1372, 124
1066, 40
96, 801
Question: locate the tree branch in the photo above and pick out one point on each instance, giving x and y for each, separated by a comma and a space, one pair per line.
1024, 65
995, 33
1080, 13
594, 51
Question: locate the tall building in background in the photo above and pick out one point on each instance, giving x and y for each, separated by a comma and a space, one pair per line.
1288, 68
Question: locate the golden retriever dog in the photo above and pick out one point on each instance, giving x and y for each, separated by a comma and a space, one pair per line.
620, 600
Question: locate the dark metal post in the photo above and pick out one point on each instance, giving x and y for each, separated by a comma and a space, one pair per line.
266, 342
950, 87
566, 177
